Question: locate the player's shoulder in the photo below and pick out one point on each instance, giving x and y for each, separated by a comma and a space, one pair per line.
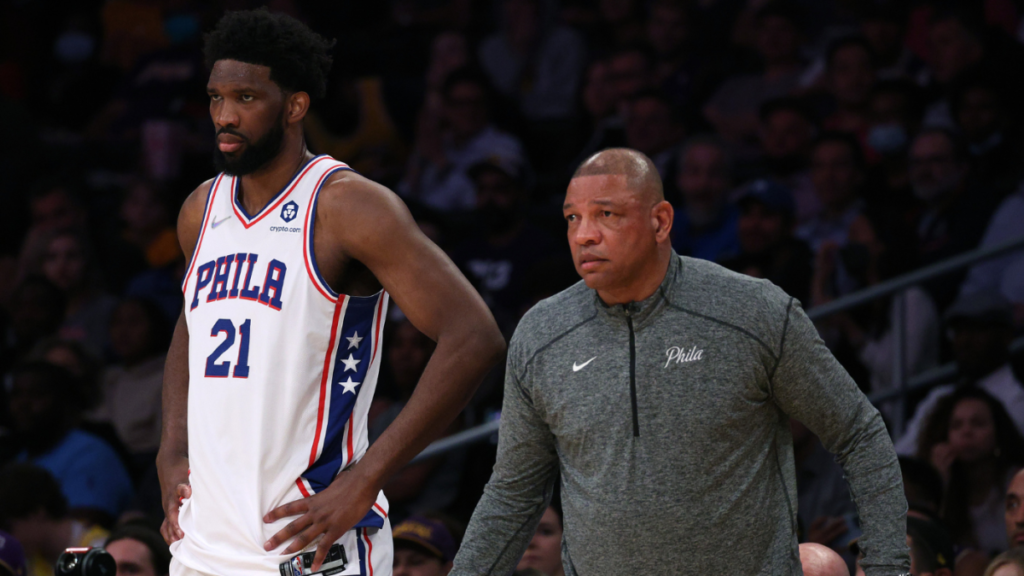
354, 194
552, 317
196, 200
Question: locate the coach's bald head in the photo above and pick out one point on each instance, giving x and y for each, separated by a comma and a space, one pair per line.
640, 172
619, 225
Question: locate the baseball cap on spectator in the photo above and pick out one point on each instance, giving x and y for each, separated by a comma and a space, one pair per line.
509, 166
426, 535
12, 556
771, 194
932, 542
983, 307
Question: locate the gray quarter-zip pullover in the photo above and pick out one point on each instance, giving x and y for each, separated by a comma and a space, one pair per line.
668, 421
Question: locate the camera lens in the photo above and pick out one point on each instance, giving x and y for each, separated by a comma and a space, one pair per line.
67, 562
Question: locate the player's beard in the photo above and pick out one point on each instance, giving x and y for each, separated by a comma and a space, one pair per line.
254, 155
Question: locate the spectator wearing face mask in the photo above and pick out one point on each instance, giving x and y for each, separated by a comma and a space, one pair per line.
894, 113
954, 213
850, 75
705, 226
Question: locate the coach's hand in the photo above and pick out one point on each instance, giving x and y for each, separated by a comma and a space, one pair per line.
175, 487
330, 514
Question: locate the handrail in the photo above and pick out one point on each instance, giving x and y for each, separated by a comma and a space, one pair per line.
913, 278
921, 381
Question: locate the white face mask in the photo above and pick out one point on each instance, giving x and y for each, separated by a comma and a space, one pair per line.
73, 47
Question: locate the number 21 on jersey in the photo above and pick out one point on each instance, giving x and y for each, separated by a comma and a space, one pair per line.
215, 369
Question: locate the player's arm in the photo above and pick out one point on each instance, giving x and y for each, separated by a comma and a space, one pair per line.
172, 459
369, 223
809, 384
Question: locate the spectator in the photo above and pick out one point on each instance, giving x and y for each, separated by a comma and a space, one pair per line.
851, 74
1015, 511
72, 356
654, 127
974, 445
980, 330
428, 485
424, 546
837, 171
447, 146
955, 214
823, 496
139, 551
955, 46
37, 310
533, 63
44, 412
894, 108
884, 26
788, 131
70, 264
621, 21
818, 560
507, 245
1004, 273
631, 71
600, 103
544, 553
678, 67
1009, 563
54, 206
33, 510
981, 111
12, 556
732, 110
931, 549
131, 390
706, 224
768, 248
923, 488
869, 330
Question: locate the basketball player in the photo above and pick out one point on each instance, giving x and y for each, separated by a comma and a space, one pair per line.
292, 258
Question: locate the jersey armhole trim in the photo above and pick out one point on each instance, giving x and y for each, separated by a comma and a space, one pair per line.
211, 193
308, 253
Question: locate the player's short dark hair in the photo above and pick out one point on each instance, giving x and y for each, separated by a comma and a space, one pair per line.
27, 488
159, 552
299, 59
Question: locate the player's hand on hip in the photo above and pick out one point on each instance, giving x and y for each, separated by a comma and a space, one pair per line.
175, 487
329, 514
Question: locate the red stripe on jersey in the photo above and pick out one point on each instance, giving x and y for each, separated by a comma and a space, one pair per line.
369, 552
302, 488
268, 209
210, 196
382, 511
307, 250
323, 380
349, 443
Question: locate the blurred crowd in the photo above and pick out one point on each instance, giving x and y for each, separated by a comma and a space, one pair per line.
826, 145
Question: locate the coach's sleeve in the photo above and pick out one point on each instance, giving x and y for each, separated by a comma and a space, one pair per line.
520, 486
809, 384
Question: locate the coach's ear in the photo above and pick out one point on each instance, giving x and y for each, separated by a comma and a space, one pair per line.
297, 105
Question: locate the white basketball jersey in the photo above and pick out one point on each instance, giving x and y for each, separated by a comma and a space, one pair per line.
282, 371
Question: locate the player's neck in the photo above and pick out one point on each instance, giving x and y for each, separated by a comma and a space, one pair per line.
260, 187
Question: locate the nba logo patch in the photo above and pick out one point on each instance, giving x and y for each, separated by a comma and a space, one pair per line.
289, 211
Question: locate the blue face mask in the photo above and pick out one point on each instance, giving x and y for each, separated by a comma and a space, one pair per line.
887, 139
74, 47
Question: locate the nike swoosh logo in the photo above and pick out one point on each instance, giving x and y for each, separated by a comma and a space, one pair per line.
577, 367
216, 222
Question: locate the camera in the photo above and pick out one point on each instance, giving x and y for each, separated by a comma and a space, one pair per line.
85, 562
